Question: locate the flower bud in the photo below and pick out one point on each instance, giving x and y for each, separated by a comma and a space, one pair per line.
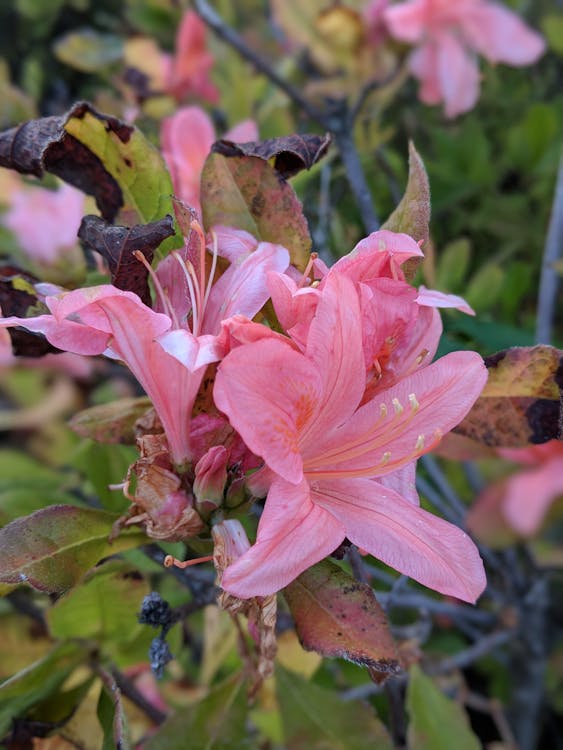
210, 480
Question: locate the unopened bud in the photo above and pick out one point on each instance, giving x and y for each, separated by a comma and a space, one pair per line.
210, 480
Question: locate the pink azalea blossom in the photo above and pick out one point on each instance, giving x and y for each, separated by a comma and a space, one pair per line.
186, 139
301, 411
449, 34
45, 222
525, 498
187, 71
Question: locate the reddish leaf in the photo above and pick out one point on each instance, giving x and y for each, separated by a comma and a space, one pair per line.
336, 615
522, 401
117, 245
290, 154
247, 193
18, 297
52, 548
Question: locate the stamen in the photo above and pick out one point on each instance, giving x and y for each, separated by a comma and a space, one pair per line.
196, 226
385, 458
419, 445
308, 268
170, 561
383, 410
397, 406
421, 356
188, 268
415, 406
212, 272
158, 287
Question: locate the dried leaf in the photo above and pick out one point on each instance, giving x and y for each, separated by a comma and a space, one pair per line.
336, 615
290, 154
522, 401
412, 215
111, 423
246, 192
52, 548
117, 245
18, 297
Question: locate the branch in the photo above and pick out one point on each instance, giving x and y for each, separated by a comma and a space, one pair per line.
549, 280
465, 658
135, 696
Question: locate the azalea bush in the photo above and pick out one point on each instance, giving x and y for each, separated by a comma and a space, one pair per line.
279, 374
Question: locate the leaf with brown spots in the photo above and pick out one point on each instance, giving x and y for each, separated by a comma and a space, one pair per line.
118, 245
336, 615
289, 154
522, 401
247, 193
99, 155
18, 297
412, 215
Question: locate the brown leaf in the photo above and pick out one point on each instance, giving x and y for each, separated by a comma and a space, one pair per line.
18, 297
117, 245
43, 145
111, 423
336, 615
522, 401
291, 154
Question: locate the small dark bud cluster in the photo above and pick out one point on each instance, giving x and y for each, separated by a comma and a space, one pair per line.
159, 655
157, 613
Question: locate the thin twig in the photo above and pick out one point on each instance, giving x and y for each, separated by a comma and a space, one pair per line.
470, 655
131, 692
357, 565
549, 279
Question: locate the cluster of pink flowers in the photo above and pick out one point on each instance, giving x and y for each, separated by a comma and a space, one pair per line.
326, 419
447, 36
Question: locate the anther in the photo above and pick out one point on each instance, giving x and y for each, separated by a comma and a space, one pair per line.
419, 445
423, 354
383, 410
397, 406
415, 406
385, 458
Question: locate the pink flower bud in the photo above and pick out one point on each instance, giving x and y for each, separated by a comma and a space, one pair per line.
210, 479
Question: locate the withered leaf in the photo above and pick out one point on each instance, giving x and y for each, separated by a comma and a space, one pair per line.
44, 145
117, 245
18, 297
291, 154
522, 400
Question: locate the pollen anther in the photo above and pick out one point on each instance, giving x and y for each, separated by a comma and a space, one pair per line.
385, 458
413, 401
383, 410
397, 406
419, 445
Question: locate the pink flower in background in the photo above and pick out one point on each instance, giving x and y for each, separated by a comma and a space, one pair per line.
524, 498
187, 71
45, 222
449, 34
187, 138
374, 19
301, 411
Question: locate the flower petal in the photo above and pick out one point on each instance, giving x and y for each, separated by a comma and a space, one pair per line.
427, 548
270, 393
406, 21
293, 534
530, 494
458, 73
433, 298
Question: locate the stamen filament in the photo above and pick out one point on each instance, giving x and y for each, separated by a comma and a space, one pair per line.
158, 287
170, 561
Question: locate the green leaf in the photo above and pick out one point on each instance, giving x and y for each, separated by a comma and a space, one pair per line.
452, 264
436, 722
314, 718
218, 722
485, 287
552, 27
52, 548
247, 193
111, 423
104, 465
112, 716
103, 606
37, 681
88, 50
412, 215
336, 615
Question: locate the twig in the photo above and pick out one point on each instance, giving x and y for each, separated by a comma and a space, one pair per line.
440, 480
549, 279
357, 565
135, 696
465, 658
413, 600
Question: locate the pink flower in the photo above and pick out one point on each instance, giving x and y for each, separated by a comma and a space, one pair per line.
187, 72
525, 498
326, 453
186, 139
45, 222
448, 35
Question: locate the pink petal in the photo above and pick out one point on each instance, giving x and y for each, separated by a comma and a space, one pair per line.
334, 345
458, 73
186, 139
402, 481
530, 494
294, 306
191, 63
500, 35
406, 21
243, 132
243, 289
293, 534
234, 244
533, 454
433, 298
401, 423
430, 550
423, 64
270, 393
380, 254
